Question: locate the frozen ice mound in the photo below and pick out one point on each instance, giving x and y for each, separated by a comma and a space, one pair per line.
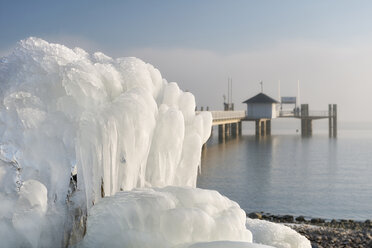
164, 217
181, 217
115, 122
118, 125
277, 235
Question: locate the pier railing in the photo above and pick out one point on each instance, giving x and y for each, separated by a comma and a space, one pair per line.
287, 113
291, 113
319, 113
227, 115
242, 114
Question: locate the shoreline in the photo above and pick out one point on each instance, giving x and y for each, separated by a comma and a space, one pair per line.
325, 233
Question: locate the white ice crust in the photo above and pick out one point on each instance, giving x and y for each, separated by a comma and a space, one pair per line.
165, 217
126, 132
274, 234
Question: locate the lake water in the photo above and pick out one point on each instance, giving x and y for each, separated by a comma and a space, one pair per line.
287, 174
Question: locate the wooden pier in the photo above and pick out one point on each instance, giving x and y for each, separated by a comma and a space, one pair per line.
230, 122
307, 118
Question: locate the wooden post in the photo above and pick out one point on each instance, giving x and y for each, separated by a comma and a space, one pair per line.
227, 130
304, 119
221, 132
234, 129
258, 127
303, 126
240, 127
263, 128
330, 120
309, 126
303, 122
268, 127
334, 120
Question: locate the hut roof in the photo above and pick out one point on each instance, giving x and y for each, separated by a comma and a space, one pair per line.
260, 98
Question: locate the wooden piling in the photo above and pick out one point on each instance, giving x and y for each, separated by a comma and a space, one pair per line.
268, 127
240, 127
306, 122
309, 127
227, 130
258, 128
330, 131
234, 129
263, 127
221, 132
334, 120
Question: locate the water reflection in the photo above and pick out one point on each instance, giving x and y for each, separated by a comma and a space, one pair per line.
249, 159
287, 174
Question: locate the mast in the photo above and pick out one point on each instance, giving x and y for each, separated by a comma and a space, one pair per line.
228, 91
231, 91
298, 93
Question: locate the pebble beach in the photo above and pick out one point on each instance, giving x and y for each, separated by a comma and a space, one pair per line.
325, 233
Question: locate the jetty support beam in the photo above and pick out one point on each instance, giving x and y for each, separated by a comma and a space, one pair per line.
306, 121
227, 130
234, 129
263, 127
334, 120
258, 127
330, 120
268, 127
221, 132
240, 127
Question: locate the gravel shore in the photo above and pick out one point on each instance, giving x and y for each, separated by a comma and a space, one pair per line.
326, 233
324, 236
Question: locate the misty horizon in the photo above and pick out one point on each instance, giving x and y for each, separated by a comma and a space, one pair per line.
323, 44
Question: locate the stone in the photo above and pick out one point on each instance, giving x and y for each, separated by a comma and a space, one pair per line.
300, 218
288, 218
255, 215
317, 220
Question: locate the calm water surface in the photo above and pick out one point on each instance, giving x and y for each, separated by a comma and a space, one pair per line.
287, 174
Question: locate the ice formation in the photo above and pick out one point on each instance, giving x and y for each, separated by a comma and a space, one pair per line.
277, 235
119, 126
169, 217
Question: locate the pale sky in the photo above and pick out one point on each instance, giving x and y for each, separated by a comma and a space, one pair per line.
327, 45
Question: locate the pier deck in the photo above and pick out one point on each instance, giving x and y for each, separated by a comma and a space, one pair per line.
230, 122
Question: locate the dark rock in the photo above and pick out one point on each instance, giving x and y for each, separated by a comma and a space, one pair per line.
255, 215
333, 221
267, 217
300, 218
288, 218
317, 220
